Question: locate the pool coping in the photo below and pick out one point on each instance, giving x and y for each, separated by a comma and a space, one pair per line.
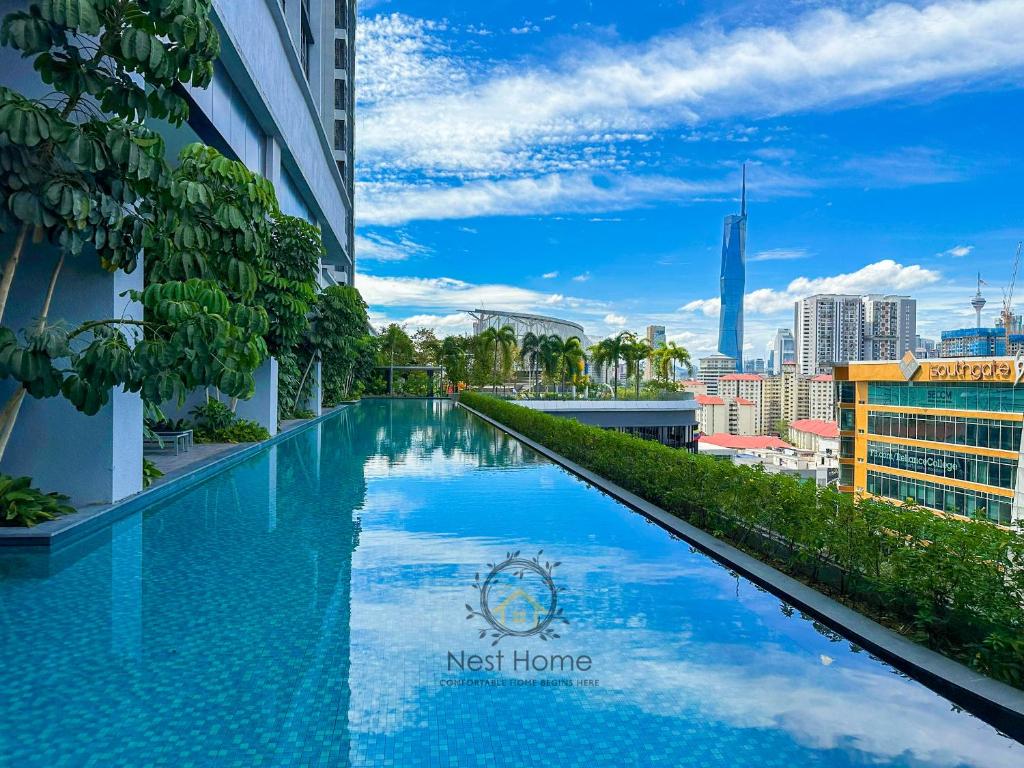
998, 704
69, 529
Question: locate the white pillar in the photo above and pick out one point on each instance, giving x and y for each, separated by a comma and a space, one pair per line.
93, 459
262, 406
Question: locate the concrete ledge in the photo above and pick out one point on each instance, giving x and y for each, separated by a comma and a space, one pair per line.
70, 528
996, 703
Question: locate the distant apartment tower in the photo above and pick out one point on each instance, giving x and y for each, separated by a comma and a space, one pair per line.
890, 327
656, 338
833, 328
746, 388
713, 368
781, 351
733, 281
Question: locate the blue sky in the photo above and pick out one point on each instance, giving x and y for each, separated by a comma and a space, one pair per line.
576, 158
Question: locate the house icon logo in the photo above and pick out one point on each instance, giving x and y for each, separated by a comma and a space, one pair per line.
517, 598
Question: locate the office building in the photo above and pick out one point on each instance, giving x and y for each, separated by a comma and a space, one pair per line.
712, 368
831, 328
656, 338
756, 365
733, 281
781, 350
925, 348
943, 434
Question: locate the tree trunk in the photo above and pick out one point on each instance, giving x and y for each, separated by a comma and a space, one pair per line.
302, 382
9, 415
10, 267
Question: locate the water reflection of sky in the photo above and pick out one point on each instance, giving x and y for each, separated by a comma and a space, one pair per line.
696, 667
299, 608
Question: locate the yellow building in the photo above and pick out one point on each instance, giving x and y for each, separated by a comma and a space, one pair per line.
945, 433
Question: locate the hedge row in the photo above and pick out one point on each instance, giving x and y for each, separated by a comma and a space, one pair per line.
953, 584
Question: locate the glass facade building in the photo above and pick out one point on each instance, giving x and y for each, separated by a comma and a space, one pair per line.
943, 435
733, 282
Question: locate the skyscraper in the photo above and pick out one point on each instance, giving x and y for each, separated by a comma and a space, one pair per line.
834, 328
656, 338
781, 350
733, 281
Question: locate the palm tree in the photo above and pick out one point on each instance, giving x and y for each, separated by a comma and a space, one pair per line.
667, 355
566, 358
634, 351
531, 348
502, 341
680, 355
611, 350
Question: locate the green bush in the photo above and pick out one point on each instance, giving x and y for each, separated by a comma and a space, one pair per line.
216, 423
150, 472
24, 506
953, 584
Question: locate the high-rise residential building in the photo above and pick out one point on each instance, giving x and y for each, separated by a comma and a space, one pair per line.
781, 350
890, 327
831, 328
821, 398
978, 342
733, 281
656, 338
712, 368
280, 102
746, 387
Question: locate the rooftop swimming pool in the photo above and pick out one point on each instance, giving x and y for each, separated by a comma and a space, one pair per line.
345, 599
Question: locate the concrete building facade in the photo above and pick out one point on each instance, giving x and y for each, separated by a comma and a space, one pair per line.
713, 368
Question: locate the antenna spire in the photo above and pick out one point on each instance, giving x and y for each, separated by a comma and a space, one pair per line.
743, 193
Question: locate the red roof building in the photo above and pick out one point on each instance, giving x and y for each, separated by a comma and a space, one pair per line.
740, 442
708, 400
741, 377
827, 429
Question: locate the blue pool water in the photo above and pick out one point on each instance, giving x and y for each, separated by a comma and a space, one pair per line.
299, 609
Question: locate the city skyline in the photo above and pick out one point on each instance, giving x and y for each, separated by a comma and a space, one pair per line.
530, 167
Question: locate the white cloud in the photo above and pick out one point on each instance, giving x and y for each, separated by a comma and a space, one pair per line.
549, 275
780, 254
375, 247
958, 251
885, 276
613, 319
581, 278
444, 115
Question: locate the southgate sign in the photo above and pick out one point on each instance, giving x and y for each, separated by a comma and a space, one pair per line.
1007, 371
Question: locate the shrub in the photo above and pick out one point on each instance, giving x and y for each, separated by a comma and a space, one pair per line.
215, 423
150, 472
23, 505
953, 584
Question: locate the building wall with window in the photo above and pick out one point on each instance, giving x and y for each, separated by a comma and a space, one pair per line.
945, 435
272, 105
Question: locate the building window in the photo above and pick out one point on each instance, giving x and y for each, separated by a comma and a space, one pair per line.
339, 135
958, 501
340, 101
341, 169
340, 14
341, 53
966, 396
984, 470
956, 430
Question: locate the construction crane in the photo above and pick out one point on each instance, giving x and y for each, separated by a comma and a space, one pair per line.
1007, 314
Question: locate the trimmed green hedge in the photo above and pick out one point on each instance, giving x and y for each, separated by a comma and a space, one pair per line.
955, 585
